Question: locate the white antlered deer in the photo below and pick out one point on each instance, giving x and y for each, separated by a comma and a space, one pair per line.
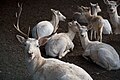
41, 68
113, 14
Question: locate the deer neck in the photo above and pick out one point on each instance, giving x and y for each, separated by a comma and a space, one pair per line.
35, 64
88, 16
84, 41
71, 34
113, 17
54, 22
94, 12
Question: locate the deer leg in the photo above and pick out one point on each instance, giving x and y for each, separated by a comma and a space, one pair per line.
72, 46
101, 30
91, 34
95, 35
63, 52
86, 54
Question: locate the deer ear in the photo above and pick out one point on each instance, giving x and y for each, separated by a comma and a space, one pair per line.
106, 1
42, 41
97, 4
69, 23
80, 8
91, 4
118, 2
21, 39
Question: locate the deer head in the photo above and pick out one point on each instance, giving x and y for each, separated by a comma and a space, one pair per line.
31, 47
112, 5
72, 25
86, 9
60, 15
82, 30
95, 7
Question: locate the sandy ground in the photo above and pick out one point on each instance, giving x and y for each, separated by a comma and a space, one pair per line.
12, 63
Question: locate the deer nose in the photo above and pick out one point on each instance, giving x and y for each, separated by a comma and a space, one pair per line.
64, 17
82, 35
111, 10
30, 53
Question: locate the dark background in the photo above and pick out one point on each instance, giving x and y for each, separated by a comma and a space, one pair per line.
12, 63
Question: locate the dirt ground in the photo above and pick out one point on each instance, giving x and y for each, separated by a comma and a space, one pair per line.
12, 63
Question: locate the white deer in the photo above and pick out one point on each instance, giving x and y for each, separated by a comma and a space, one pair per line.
100, 53
113, 14
41, 68
60, 44
95, 9
46, 28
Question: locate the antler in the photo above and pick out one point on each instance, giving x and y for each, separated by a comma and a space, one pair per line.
17, 24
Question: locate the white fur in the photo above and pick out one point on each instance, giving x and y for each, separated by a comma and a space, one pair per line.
43, 28
107, 27
60, 44
101, 53
95, 9
49, 69
114, 17
46, 28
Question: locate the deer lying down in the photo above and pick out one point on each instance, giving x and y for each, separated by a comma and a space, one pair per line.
46, 28
60, 44
113, 14
95, 9
100, 53
49, 69
41, 68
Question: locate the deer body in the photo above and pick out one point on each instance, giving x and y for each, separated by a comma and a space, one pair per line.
95, 9
54, 69
102, 54
113, 14
42, 29
46, 28
59, 44
96, 23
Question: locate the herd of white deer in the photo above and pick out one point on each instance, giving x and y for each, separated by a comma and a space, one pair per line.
59, 44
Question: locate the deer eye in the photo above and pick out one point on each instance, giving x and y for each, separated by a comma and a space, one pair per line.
115, 5
38, 45
58, 13
25, 44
